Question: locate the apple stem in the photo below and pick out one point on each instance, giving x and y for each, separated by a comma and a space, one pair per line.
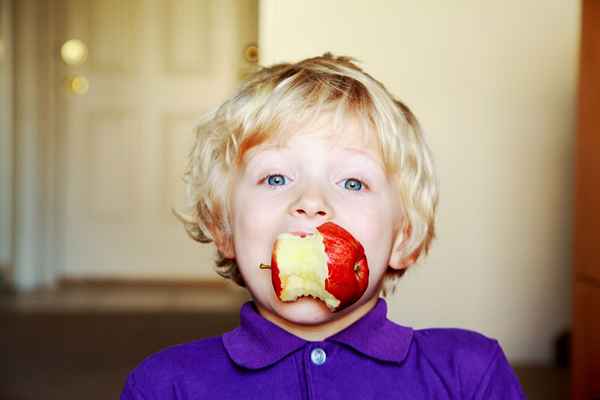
264, 266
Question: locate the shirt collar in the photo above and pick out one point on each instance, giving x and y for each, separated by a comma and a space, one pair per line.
258, 342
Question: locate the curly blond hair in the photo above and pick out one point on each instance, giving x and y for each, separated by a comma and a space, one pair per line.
277, 96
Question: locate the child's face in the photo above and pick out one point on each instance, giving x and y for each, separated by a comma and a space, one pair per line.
319, 177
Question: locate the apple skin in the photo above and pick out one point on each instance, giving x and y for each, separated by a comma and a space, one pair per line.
348, 277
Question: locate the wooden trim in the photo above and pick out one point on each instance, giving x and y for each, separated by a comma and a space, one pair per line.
585, 346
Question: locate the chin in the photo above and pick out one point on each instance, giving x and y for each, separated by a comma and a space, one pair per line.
305, 310
310, 311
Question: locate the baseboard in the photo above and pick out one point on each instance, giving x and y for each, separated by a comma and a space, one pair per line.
70, 282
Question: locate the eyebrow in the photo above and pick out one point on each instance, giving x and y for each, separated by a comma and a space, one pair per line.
363, 153
356, 151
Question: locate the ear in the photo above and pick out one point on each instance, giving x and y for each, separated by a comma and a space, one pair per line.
398, 259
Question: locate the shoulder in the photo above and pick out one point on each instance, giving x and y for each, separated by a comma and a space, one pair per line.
466, 346
460, 356
160, 369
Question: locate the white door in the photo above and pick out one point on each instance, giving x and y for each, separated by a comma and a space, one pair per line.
152, 67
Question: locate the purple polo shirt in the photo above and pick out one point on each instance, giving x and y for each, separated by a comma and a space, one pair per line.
374, 358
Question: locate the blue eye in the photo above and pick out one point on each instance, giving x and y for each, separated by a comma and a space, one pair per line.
353, 184
276, 180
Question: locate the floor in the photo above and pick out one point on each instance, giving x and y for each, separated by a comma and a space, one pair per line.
82, 342
127, 299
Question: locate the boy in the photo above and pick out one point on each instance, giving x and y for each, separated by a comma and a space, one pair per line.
298, 146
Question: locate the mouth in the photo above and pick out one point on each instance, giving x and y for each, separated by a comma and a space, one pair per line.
303, 233
311, 298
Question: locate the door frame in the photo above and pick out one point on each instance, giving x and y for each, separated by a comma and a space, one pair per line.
6, 139
34, 218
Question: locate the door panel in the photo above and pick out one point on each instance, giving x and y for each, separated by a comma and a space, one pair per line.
152, 68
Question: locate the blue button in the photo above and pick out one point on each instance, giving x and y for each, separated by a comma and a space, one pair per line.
318, 356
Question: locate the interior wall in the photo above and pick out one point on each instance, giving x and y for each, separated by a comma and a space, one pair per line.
493, 85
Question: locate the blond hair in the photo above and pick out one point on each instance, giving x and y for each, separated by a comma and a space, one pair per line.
280, 95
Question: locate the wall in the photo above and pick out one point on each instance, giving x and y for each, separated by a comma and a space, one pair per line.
493, 84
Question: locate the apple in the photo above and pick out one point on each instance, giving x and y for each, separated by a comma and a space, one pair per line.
329, 265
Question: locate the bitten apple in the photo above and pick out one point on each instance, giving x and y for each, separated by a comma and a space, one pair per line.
329, 265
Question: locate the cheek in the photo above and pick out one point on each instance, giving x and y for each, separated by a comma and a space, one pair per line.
254, 217
373, 227
255, 225
369, 219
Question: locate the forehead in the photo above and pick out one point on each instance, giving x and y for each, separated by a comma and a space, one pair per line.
342, 133
347, 147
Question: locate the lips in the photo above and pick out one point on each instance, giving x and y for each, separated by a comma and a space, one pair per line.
300, 233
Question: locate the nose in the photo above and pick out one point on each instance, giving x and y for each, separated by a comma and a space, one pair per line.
311, 204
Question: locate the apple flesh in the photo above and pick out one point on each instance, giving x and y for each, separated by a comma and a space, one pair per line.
329, 265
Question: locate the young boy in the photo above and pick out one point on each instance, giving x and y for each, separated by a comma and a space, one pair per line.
298, 146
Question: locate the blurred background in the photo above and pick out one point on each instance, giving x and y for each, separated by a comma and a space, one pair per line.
98, 102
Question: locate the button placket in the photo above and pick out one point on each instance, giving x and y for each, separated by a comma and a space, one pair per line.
315, 357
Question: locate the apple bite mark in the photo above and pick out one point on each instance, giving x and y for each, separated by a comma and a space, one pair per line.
329, 265
302, 264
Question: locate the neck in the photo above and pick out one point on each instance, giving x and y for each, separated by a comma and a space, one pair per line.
315, 333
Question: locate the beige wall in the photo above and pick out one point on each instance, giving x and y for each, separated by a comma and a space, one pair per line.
493, 84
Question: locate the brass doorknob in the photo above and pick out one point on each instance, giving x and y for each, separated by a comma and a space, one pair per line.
77, 84
73, 52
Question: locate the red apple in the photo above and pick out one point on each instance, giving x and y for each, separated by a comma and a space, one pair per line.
329, 265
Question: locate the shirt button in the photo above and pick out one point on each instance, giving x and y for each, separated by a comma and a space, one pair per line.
318, 356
